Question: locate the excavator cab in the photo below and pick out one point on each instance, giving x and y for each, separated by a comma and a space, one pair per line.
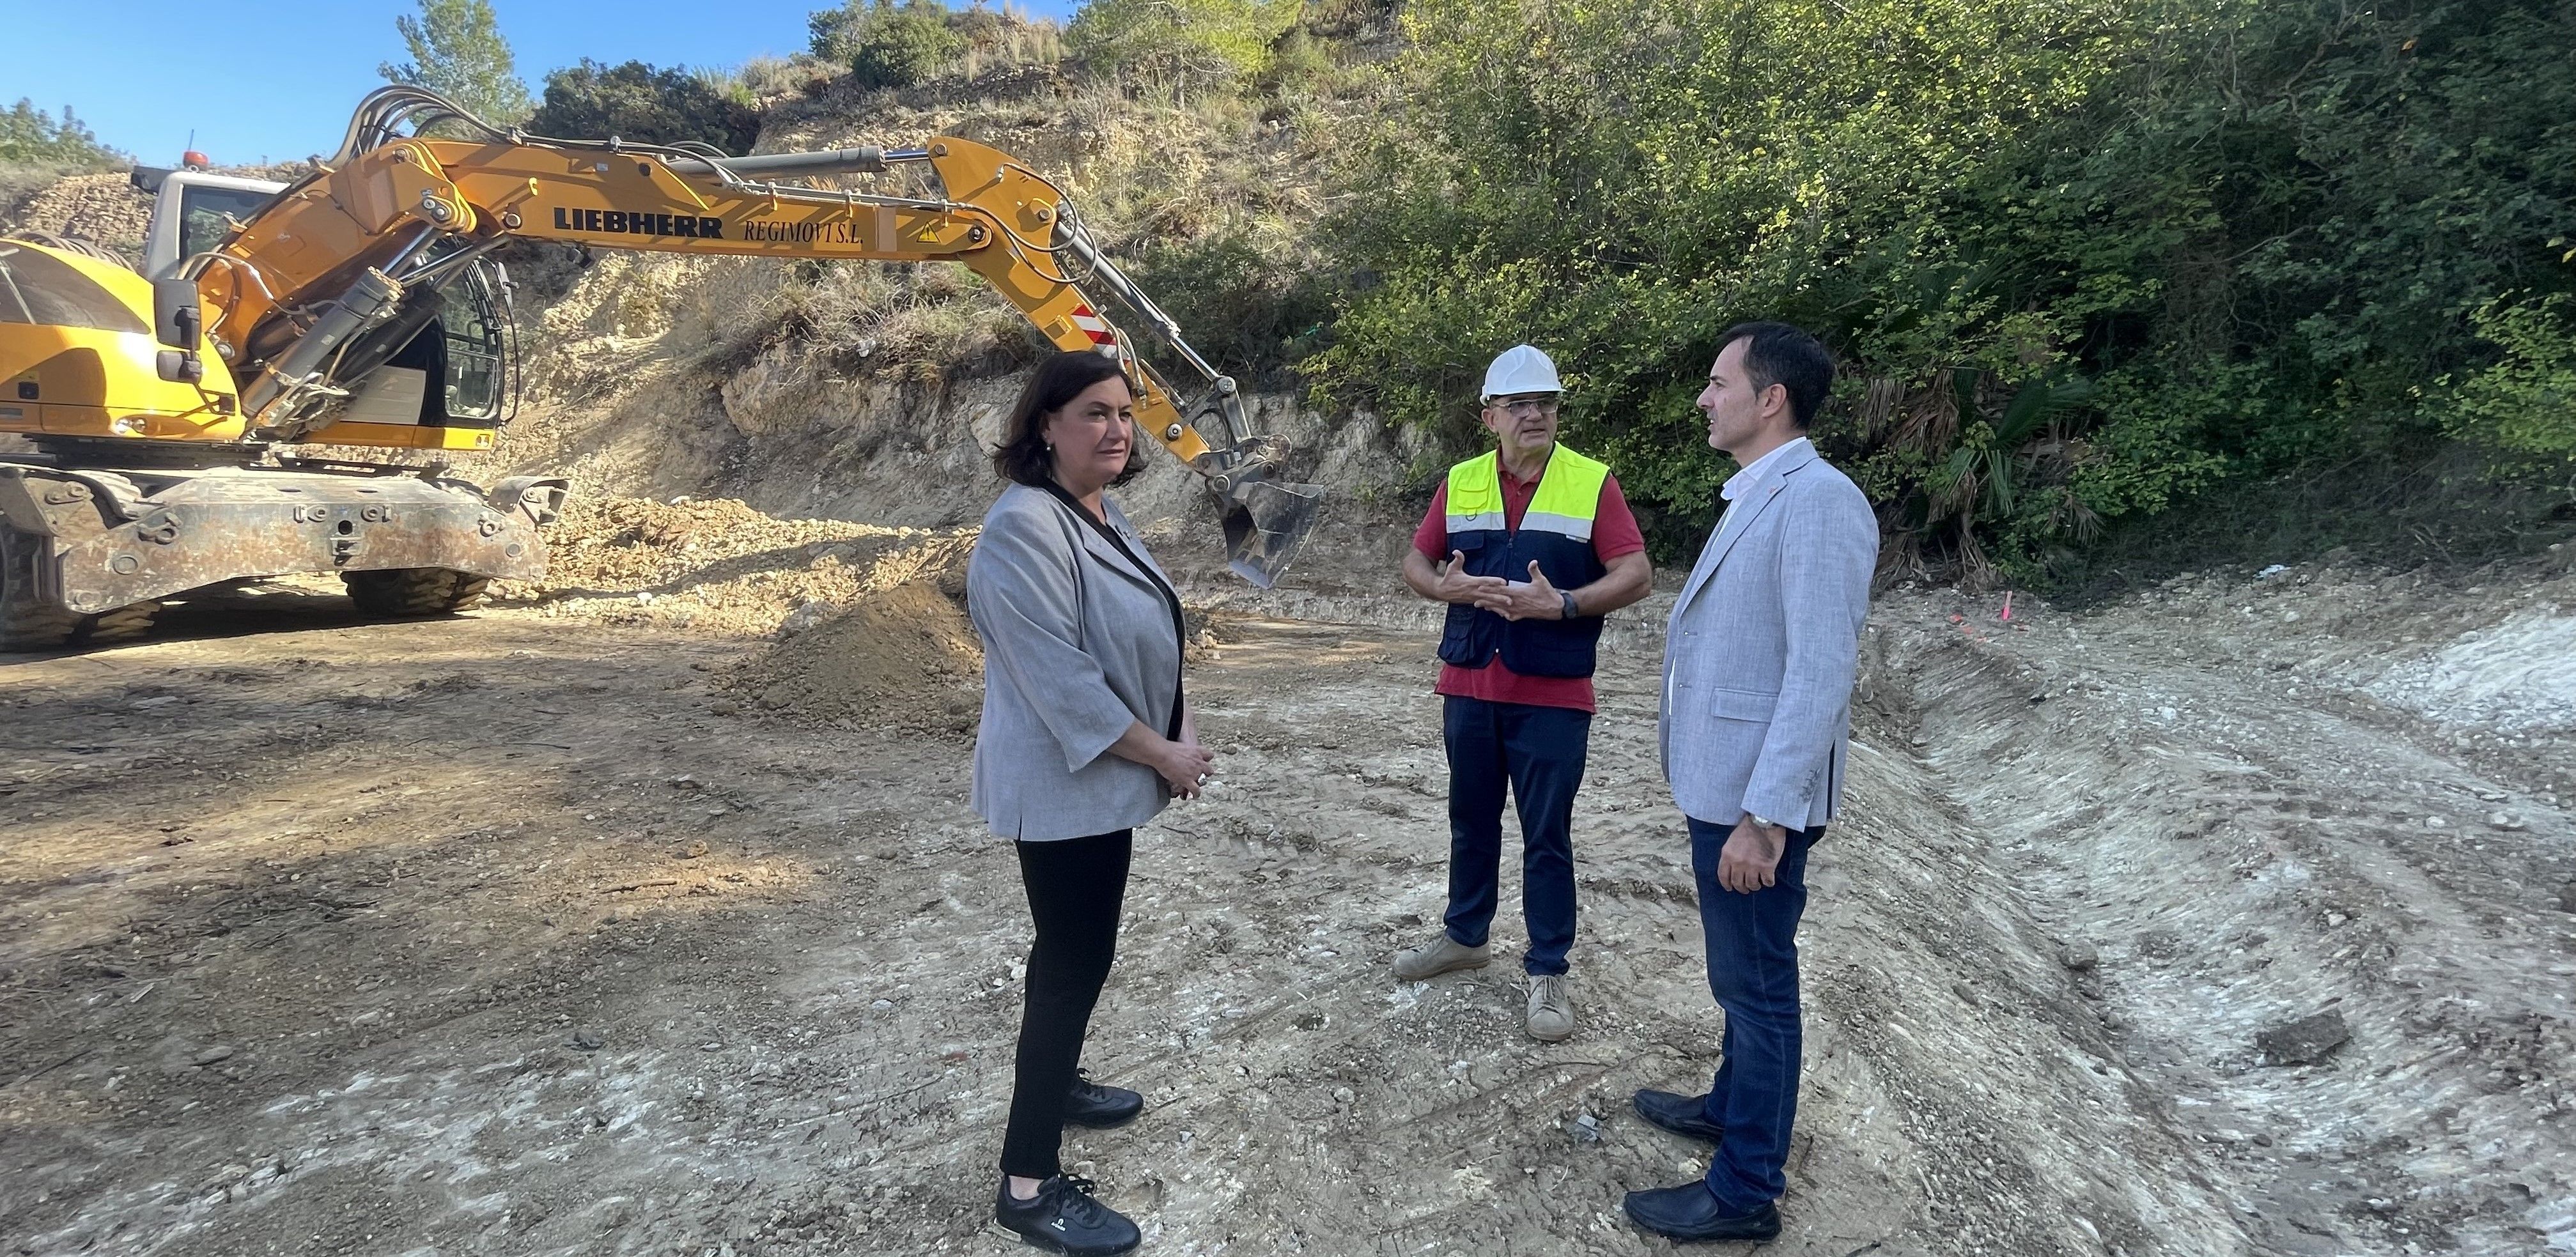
451, 357
191, 211
443, 361
474, 321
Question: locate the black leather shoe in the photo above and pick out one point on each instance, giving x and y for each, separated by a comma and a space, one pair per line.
1064, 1218
1682, 1115
1099, 1107
1690, 1214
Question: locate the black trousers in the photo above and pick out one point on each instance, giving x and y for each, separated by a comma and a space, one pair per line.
1076, 887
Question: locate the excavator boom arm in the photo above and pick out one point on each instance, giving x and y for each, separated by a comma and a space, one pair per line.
1000, 221
285, 290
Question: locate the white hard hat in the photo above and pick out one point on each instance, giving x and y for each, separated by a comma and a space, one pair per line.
1521, 369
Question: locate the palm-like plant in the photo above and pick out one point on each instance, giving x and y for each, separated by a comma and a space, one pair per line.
1995, 464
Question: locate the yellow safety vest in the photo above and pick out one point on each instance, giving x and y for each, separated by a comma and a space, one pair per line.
1555, 533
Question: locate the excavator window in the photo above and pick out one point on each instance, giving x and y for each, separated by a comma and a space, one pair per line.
454, 345
35, 288
206, 213
474, 348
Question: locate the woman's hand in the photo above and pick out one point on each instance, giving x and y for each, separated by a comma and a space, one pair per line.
1184, 766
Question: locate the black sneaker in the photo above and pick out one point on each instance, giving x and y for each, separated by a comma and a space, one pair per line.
1099, 1107
1064, 1218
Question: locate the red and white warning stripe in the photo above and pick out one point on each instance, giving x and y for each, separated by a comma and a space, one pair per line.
1089, 320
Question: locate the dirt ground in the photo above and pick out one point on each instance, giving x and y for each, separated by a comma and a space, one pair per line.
535, 931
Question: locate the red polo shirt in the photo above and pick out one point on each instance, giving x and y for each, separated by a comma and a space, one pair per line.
1614, 535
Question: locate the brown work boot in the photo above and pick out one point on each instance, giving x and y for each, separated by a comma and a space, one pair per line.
1442, 956
1551, 1008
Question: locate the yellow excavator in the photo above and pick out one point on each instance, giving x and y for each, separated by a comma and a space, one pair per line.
174, 417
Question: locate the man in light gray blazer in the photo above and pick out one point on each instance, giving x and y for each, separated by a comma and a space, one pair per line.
1759, 658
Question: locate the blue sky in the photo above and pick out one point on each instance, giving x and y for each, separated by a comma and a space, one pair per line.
275, 79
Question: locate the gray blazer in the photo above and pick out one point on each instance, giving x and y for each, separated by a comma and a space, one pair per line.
1077, 644
1760, 653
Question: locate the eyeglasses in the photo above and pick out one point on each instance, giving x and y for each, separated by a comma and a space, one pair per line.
1524, 407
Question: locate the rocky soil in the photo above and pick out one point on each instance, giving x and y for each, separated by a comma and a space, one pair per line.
2176, 927
106, 208
718, 566
2304, 840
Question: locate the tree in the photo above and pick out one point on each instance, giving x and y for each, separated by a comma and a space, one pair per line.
891, 45
457, 51
2082, 260
638, 102
29, 136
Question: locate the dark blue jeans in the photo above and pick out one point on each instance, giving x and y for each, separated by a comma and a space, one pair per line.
1537, 753
1753, 972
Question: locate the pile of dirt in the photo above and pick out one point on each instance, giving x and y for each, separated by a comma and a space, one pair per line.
106, 208
902, 660
719, 566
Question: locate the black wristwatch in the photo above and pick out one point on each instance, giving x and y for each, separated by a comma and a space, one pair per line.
1571, 611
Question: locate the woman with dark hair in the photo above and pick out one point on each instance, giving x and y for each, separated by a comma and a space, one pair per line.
1085, 736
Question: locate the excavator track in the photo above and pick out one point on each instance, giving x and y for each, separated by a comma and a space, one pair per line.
31, 627
414, 591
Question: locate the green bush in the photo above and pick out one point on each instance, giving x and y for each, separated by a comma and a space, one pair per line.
1179, 41
891, 45
2523, 405
1243, 310
2224, 240
1298, 59
640, 103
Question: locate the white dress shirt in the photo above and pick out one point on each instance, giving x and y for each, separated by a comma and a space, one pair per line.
1750, 477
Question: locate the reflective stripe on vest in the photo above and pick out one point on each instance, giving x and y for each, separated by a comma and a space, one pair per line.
1568, 496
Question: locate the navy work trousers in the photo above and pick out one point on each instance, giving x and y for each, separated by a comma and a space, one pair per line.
1537, 754
1753, 972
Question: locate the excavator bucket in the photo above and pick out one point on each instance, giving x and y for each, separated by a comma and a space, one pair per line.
1265, 519
1264, 524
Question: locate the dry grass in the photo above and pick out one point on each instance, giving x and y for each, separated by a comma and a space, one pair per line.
1147, 173
765, 80
915, 322
1012, 39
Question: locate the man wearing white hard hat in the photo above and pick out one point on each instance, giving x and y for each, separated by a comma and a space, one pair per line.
1530, 544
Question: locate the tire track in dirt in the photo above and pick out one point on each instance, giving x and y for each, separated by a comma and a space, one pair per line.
802, 1029
2244, 855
